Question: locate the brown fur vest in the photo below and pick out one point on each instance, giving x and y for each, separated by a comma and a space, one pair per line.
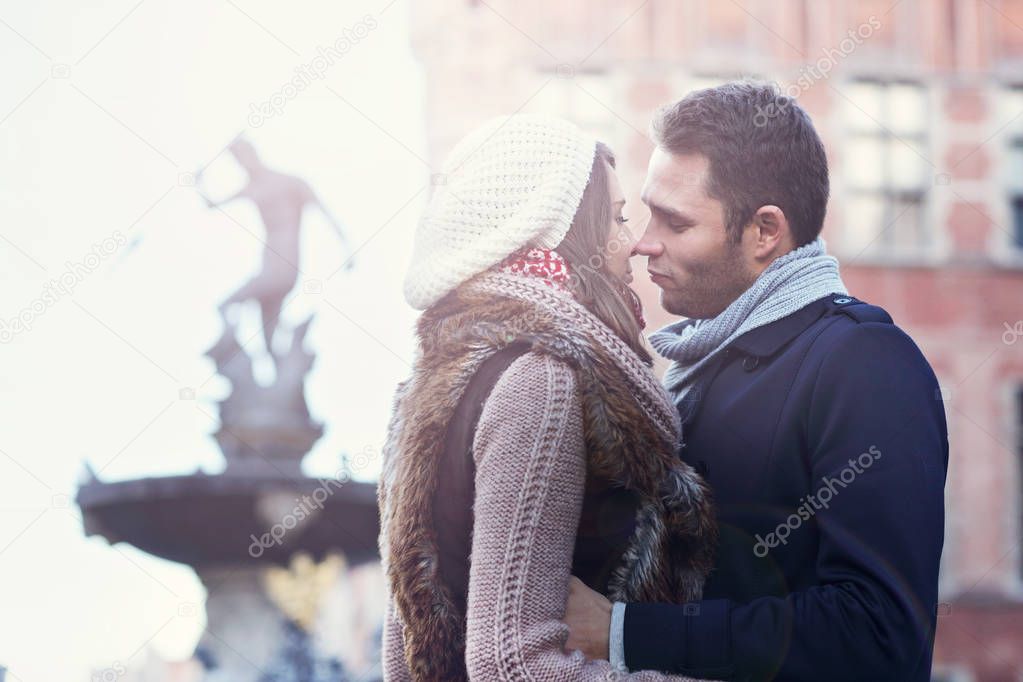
630, 429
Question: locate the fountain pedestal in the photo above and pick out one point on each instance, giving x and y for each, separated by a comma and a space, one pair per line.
240, 529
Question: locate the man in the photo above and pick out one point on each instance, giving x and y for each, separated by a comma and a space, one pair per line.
815, 420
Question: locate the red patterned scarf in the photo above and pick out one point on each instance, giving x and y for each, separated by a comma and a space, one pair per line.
547, 264
551, 267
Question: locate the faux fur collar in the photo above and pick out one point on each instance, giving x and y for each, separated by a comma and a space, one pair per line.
630, 434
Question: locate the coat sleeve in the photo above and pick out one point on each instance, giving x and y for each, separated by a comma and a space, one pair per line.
392, 644
530, 478
875, 403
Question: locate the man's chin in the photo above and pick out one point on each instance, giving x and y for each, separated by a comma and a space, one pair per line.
672, 305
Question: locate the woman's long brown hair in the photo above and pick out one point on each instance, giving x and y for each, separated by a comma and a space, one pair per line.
585, 247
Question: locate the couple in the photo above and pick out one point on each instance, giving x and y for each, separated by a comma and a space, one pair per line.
550, 511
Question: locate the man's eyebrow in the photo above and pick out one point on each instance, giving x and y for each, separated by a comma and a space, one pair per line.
670, 212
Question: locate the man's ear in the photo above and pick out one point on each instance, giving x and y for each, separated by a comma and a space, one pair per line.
772, 233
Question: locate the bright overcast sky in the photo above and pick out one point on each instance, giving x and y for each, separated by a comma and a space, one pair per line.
104, 108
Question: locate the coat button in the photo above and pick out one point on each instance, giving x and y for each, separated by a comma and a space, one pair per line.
750, 362
843, 300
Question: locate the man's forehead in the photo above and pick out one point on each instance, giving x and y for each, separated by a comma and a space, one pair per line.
671, 177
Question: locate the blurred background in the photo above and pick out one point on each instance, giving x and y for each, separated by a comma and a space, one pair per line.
117, 119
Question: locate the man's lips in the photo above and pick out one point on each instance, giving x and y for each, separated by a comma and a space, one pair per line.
656, 276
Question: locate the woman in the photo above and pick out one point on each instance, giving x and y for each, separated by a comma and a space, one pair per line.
532, 441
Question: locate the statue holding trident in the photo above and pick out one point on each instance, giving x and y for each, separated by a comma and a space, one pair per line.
280, 199
267, 430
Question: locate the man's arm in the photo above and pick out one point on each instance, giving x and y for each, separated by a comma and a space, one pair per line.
872, 614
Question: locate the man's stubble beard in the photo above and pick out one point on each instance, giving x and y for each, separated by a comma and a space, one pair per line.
711, 287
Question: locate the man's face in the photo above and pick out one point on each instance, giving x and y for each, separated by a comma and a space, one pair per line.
697, 266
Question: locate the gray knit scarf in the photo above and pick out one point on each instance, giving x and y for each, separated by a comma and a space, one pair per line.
791, 282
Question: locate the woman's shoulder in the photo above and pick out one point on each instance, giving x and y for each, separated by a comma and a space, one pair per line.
535, 375
535, 397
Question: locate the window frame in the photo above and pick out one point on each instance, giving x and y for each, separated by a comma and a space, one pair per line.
930, 247
1005, 244
1013, 192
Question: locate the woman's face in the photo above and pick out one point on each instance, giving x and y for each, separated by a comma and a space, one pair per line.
619, 245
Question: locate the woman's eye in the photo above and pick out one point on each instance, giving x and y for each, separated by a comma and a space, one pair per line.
621, 220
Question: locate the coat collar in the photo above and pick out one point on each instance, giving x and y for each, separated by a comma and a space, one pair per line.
767, 340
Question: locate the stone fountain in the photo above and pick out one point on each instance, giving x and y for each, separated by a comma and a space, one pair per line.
278, 552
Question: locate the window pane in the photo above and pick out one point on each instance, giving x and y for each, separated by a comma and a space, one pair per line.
1017, 221
584, 99
1019, 420
907, 109
908, 167
865, 167
592, 97
904, 228
863, 219
553, 98
1010, 111
1014, 165
1019, 417
887, 158
865, 108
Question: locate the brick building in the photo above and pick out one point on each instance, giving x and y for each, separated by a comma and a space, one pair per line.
920, 104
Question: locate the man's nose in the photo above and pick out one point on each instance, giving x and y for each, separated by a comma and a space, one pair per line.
647, 247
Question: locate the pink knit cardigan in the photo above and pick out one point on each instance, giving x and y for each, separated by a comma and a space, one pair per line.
530, 477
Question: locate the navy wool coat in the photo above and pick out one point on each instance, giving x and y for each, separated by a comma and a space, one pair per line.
823, 438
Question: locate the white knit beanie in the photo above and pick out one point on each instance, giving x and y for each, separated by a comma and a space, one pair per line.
514, 181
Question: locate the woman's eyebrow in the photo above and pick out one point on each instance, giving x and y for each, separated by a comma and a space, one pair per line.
619, 202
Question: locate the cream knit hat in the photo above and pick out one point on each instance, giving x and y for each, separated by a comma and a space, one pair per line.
514, 181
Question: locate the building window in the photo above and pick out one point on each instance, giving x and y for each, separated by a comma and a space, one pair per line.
588, 98
1018, 419
1016, 206
1007, 38
887, 170
1010, 115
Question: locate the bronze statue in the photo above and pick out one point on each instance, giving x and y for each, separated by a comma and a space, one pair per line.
280, 198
